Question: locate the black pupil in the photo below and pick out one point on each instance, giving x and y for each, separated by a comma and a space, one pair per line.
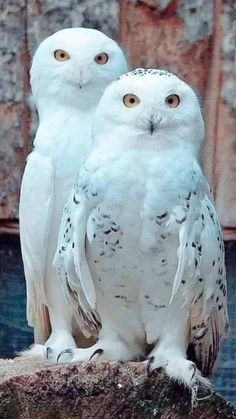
100, 58
132, 100
171, 100
62, 55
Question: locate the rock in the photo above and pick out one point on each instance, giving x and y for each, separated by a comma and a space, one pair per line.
30, 389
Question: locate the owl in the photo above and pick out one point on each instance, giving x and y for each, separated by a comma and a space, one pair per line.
140, 248
69, 73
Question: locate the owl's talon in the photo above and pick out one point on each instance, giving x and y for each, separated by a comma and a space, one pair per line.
48, 352
194, 371
149, 365
97, 351
65, 351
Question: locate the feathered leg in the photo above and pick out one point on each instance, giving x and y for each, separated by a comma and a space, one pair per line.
170, 352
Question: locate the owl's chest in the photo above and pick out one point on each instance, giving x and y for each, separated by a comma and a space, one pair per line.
127, 274
66, 140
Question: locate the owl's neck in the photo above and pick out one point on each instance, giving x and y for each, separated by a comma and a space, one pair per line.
46, 108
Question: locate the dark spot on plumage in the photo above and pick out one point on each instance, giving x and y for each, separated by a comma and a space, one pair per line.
95, 261
187, 205
217, 299
64, 236
182, 220
102, 253
94, 193
68, 220
94, 235
117, 296
195, 262
162, 215
200, 279
186, 244
203, 218
107, 231
77, 202
213, 263
67, 230
106, 216
63, 248
183, 282
199, 249
212, 217
163, 236
99, 279
220, 307
146, 296
193, 244
115, 229
68, 241
188, 196
163, 260
159, 306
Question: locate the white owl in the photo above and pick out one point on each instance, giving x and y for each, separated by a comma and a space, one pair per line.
140, 242
69, 73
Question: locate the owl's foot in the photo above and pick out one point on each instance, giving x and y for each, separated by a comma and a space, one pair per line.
178, 368
50, 351
102, 350
35, 351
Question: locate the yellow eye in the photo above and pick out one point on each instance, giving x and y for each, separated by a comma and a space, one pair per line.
101, 58
172, 101
61, 55
130, 100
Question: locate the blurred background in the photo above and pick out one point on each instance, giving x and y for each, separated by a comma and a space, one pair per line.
196, 39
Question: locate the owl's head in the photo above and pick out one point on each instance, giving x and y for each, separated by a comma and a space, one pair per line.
151, 105
73, 66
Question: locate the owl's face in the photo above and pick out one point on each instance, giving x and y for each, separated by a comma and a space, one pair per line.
150, 103
76, 63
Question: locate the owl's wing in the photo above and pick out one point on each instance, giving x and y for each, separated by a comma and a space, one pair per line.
72, 265
201, 273
35, 213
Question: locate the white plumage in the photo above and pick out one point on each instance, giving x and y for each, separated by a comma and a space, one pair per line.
140, 233
69, 73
